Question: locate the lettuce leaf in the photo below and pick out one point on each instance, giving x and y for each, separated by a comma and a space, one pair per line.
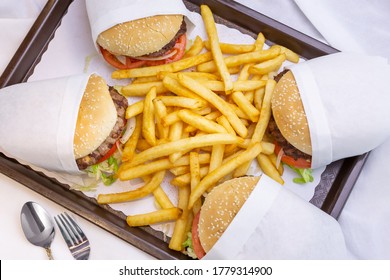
305, 175
105, 171
189, 247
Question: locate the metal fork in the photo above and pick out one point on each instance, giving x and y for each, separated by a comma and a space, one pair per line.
74, 237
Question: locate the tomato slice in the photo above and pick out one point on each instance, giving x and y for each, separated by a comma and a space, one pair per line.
109, 153
179, 47
113, 60
298, 163
133, 63
198, 249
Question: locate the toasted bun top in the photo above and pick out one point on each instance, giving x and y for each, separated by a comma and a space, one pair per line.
221, 206
289, 113
142, 36
96, 118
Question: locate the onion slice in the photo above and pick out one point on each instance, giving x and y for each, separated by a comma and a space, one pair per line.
279, 158
130, 126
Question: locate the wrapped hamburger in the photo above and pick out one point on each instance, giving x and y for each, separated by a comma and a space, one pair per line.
256, 218
68, 124
328, 108
155, 34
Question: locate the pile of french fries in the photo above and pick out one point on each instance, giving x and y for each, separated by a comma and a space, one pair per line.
203, 119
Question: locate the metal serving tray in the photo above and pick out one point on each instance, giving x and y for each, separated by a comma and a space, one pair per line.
330, 195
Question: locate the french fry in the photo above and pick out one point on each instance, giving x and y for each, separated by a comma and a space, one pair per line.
247, 107
244, 73
211, 30
180, 170
237, 85
166, 149
268, 66
290, 55
195, 178
242, 170
193, 74
160, 113
142, 145
268, 168
179, 232
148, 125
131, 144
141, 192
209, 116
241, 59
213, 177
267, 148
265, 112
162, 199
162, 215
174, 86
231, 48
185, 179
134, 109
171, 118
216, 101
127, 172
258, 98
170, 67
200, 122
238, 111
196, 47
184, 102
143, 88
217, 154
259, 43
222, 120
141, 80
175, 133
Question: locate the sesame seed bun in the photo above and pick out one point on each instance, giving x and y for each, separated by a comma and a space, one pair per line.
289, 114
221, 206
142, 36
96, 118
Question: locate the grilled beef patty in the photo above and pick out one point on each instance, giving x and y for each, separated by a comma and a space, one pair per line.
94, 157
288, 149
167, 47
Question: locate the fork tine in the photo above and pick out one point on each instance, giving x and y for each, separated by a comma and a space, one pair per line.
64, 231
69, 223
75, 238
76, 226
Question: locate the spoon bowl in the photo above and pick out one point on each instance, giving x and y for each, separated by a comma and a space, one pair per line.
37, 226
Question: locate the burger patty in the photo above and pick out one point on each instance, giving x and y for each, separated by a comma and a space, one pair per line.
121, 104
288, 149
280, 75
167, 47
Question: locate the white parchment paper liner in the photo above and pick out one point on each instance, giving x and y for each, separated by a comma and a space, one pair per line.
346, 99
274, 223
106, 14
75, 26
38, 120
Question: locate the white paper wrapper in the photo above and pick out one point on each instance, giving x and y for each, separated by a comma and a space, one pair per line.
346, 99
274, 223
106, 14
38, 120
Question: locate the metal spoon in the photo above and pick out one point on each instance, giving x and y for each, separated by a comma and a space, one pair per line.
38, 226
